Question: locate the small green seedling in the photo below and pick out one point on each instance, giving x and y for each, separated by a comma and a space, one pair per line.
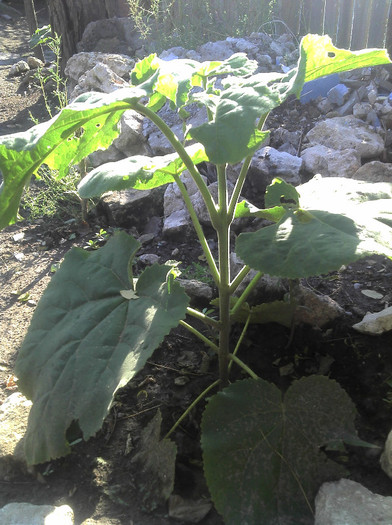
97, 325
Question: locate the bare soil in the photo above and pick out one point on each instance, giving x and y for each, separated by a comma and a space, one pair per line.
99, 480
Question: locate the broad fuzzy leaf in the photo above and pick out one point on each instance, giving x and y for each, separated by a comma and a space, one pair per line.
139, 172
313, 241
88, 124
237, 65
319, 57
86, 340
232, 135
262, 454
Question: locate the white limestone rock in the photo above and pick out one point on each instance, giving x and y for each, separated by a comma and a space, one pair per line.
346, 502
100, 78
375, 323
341, 133
331, 162
14, 413
28, 514
80, 63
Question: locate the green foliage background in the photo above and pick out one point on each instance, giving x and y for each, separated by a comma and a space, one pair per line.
193, 22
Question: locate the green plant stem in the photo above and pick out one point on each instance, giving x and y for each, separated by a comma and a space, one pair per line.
192, 406
243, 366
199, 230
198, 334
223, 232
203, 317
207, 197
242, 176
239, 342
246, 293
179, 148
239, 278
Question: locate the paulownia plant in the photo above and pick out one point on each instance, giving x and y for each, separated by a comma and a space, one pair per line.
97, 325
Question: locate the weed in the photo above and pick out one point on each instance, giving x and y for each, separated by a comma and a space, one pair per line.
50, 76
48, 197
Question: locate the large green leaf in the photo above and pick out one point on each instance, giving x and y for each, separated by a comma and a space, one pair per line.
307, 242
91, 332
319, 57
139, 172
88, 124
232, 135
262, 454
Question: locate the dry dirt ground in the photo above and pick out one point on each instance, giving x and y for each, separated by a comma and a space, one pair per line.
98, 480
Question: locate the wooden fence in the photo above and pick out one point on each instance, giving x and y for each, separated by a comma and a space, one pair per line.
353, 24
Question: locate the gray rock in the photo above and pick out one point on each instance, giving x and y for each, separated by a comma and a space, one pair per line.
176, 216
386, 456
158, 143
330, 162
341, 133
338, 94
102, 156
264, 60
241, 45
34, 62
14, 413
361, 110
324, 106
200, 293
374, 171
314, 309
271, 163
173, 52
19, 68
220, 50
28, 514
372, 93
177, 223
131, 140
347, 107
349, 503
133, 208
149, 259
